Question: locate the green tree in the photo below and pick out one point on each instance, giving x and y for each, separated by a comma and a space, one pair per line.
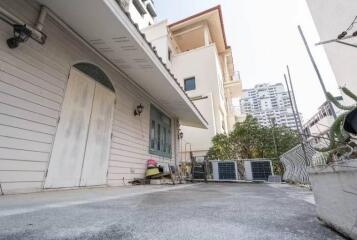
221, 148
250, 140
245, 138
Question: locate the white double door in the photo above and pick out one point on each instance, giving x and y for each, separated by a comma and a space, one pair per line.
81, 147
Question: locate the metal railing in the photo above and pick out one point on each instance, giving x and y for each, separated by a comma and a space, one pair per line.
296, 165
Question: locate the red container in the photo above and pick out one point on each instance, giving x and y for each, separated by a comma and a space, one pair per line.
151, 163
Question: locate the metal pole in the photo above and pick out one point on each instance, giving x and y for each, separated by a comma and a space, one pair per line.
296, 122
316, 70
206, 170
274, 140
294, 99
291, 103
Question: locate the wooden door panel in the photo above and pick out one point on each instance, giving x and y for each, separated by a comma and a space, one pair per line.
96, 158
71, 137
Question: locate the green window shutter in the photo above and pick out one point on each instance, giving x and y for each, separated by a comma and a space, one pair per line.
160, 133
152, 134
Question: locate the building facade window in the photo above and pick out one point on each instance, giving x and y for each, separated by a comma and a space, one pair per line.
169, 54
190, 84
139, 7
160, 133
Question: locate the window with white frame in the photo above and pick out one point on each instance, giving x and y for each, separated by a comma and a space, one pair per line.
190, 84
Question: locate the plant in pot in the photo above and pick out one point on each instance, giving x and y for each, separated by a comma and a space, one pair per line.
342, 134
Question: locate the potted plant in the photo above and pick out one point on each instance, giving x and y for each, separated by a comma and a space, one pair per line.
335, 183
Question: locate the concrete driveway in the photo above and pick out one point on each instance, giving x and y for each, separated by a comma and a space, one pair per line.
200, 211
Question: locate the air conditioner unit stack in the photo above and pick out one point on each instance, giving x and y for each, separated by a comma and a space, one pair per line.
224, 170
258, 169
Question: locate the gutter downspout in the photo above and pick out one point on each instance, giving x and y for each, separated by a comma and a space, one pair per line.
41, 18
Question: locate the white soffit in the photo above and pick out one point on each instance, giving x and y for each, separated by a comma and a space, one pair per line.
105, 27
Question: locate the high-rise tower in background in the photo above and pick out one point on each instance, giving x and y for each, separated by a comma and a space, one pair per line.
268, 104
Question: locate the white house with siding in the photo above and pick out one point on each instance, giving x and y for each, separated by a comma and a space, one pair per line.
67, 105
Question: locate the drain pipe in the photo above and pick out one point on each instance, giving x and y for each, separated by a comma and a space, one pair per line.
37, 35
41, 19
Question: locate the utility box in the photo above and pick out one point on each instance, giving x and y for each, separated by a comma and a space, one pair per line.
224, 170
258, 169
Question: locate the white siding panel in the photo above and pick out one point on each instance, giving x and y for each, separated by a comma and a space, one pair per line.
20, 176
33, 79
124, 176
120, 182
14, 143
26, 124
132, 148
127, 142
11, 165
128, 153
39, 61
14, 132
23, 104
18, 154
118, 136
24, 114
21, 187
28, 87
127, 170
125, 134
24, 66
120, 158
127, 164
36, 56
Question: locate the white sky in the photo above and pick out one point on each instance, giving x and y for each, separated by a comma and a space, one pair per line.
264, 38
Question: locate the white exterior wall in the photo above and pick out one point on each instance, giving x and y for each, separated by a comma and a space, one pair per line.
331, 17
158, 36
203, 64
142, 20
33, 81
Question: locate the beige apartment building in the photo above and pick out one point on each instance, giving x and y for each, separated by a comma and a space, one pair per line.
195, 50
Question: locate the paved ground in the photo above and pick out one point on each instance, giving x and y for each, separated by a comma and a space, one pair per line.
213, 211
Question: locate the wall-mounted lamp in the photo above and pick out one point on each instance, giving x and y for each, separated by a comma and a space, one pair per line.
180, 134
21, 34
139, 109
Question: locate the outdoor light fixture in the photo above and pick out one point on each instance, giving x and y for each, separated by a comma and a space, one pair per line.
139, 109
180, 135
21, 34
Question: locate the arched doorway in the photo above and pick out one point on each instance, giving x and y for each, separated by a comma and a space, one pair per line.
80, 152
